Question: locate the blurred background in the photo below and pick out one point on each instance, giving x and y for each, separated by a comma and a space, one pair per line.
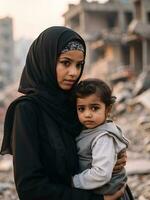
117, 35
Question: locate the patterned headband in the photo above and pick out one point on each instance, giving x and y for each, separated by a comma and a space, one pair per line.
73, 45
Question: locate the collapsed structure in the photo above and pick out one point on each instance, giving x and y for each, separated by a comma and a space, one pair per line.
116, 33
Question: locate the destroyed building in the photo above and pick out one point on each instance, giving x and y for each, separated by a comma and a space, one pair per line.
138, 37
6, 51
102, 26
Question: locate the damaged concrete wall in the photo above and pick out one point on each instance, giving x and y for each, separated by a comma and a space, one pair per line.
139, 33
91, 19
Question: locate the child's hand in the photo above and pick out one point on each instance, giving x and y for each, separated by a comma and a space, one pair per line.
121, 161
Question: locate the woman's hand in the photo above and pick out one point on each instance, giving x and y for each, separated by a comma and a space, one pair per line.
121, 161
116, 195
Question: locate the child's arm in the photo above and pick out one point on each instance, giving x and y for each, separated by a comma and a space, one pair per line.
103, 160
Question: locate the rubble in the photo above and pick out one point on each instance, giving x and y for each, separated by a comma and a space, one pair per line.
132, 113
138, 167
139, 28
143, 99
142, 83
5, 164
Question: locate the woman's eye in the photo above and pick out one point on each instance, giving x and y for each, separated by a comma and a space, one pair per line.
65, 63
80, 65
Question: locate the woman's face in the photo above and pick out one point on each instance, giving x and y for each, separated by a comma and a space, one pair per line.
69, 67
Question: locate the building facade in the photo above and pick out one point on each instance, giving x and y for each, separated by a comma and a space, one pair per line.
138, 37
102, 26
6, 51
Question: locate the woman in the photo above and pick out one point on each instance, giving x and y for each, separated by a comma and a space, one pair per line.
40, 127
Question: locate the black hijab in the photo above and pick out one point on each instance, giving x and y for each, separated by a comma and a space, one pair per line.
39, 83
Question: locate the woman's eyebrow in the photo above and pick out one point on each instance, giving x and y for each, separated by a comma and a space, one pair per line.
65, 58
70, 59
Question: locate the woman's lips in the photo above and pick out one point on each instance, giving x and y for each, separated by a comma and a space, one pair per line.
69, 82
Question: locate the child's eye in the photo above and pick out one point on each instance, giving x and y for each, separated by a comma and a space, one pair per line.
80, 109
95, 108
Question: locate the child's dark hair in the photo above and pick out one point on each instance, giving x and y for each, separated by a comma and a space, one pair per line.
91, 86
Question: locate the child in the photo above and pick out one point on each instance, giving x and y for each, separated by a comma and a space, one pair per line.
100, 141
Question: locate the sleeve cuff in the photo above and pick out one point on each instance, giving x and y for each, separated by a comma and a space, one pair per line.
76, 182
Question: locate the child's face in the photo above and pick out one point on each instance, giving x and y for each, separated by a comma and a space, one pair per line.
91, 111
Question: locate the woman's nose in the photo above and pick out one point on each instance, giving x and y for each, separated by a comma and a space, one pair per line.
73, 71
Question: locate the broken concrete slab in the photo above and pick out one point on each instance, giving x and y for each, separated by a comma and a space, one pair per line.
142, 99
5, 165
138, 166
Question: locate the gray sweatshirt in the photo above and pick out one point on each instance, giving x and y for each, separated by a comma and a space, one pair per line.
98, 149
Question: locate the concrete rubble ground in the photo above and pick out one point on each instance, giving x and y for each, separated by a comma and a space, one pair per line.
132, 113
